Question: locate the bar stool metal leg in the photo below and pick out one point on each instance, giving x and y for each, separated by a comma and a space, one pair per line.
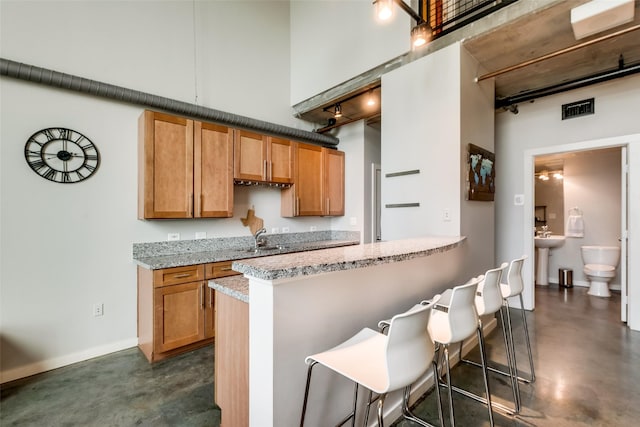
526, 335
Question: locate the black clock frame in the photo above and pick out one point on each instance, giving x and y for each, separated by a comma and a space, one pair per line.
61, 155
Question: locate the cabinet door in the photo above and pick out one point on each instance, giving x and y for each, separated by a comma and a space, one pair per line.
334, 182
165, 183
209, 313
213, 171
309, 178
179, 315
280, 157
250, 156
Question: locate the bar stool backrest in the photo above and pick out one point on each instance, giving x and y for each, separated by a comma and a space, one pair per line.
410, 349
458, 319
515, 284
488, 295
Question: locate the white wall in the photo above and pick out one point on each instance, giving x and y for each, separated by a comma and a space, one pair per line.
476, 127
333, 41
66, 247
592, 183
538, 129
421, 130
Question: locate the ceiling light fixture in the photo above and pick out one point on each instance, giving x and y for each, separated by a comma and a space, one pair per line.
371, 100
600, 15
337, 111
384, 9
422, 33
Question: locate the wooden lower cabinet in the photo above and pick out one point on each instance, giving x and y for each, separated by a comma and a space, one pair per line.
176, 308
232, 361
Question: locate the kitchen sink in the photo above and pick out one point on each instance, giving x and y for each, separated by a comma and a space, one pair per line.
262, 249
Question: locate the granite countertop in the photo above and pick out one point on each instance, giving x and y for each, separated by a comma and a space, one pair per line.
234, 286
198, 253
344, 258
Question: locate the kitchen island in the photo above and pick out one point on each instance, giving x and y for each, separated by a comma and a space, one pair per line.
302, 303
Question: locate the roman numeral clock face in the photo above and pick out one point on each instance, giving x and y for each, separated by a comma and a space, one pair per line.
61, 155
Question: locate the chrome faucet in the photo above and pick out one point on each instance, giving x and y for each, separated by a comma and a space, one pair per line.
259, 241
545, 231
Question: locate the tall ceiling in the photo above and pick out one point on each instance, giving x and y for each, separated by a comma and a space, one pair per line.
531, 35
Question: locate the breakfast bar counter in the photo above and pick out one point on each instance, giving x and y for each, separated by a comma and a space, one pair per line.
303, 303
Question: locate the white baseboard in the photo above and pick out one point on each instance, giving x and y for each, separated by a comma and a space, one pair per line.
69, 359
393, 408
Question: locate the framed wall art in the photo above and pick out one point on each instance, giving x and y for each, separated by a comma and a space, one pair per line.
482, 174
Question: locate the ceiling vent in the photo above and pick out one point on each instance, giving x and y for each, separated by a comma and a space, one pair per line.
578, 108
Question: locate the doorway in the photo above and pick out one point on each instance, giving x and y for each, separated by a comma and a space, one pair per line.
571, 250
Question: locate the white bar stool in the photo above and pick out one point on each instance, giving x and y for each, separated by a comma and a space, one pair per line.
488, 300
454, 319
381, 363
406, 411
514, 287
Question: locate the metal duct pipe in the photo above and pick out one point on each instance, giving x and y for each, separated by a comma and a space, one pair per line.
53, 78
566, 86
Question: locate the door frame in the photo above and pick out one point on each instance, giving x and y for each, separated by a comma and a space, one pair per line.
528, 212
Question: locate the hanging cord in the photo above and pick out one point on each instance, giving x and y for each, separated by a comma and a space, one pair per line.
195, 56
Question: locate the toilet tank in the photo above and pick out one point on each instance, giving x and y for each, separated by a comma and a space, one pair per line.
607, 255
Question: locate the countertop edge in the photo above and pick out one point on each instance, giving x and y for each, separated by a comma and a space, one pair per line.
311, 269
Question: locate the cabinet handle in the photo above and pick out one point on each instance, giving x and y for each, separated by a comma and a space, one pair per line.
180, 276
270, 170
202, 294
266, 176
328, 206
297, 209
191, 204
225, 269
201, 205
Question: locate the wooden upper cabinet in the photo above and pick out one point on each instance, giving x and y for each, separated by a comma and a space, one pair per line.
280, 160
333, 182
318, 188
250, 156
185, 168
165, 166
305, 197
213, 171
262, 158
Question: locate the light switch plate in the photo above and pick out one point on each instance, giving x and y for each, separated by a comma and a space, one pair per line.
518, 199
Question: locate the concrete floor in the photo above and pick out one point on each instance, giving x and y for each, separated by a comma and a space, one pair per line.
587, 367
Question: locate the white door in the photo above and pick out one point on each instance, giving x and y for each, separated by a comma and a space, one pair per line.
624, 237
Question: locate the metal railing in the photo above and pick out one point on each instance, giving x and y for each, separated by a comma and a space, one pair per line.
445, 16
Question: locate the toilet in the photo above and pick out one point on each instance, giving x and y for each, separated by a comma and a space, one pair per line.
600, 264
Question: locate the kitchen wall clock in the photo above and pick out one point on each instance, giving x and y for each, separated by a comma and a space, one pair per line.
61, 155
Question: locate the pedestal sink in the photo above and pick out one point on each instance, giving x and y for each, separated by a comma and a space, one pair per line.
544, 244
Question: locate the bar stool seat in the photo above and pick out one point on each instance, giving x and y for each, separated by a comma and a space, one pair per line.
514, 288
378, 362
488, 301
453, 319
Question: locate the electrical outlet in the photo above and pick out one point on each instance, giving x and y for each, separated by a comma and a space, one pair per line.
275, 230
201, 235
446, 215
173, 236
353, 220
285, 229
98, 309
312, 228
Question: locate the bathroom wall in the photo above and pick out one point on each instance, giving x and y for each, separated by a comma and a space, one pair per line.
592, 182
551, 195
